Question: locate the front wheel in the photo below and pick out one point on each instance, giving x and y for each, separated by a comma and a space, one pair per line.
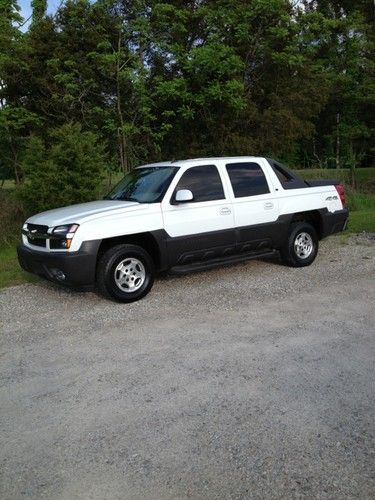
301, 246
125, 273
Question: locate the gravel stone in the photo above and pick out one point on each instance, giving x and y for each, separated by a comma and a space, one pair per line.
250, 381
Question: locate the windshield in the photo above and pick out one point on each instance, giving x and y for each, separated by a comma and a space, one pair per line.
144, 185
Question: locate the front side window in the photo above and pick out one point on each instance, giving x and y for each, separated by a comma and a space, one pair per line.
204, 182
247, 179
144, 185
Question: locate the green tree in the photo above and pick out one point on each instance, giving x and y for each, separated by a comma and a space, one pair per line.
15, 119
195, 80
345, 125
39, 9
154, 79
65, 168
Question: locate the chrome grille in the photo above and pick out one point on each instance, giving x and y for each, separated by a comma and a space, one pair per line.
37, 235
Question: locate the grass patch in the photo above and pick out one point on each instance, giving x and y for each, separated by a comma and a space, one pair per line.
360, 201
364, 177
7, 184
361, 206
12, 274
363, 220
10, 271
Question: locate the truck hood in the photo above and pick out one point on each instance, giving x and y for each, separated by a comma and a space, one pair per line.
83, 212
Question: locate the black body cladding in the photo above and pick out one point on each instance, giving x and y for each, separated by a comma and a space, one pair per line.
78, 267
202, 249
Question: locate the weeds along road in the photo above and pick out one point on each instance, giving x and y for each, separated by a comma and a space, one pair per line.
253, 381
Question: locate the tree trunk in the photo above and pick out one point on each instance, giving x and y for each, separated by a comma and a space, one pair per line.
338, 140
352, 166
17, 174
109, 181
315, 154
120, 130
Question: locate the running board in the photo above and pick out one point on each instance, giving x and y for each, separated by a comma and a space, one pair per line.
220, 261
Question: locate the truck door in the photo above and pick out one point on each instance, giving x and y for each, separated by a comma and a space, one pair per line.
255, 206
202, 228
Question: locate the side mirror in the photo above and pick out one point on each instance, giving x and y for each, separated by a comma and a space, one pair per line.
183, 195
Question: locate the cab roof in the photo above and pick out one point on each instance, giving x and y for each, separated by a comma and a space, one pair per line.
184, 163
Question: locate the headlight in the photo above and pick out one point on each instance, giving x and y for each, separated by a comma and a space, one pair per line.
62, 236
68, 228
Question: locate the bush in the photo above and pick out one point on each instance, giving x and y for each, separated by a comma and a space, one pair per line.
360, 201
364, 177
11, 218
66, 168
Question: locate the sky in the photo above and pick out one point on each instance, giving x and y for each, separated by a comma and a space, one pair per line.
26, 7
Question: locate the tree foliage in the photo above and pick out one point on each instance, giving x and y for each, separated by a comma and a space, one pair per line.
64, 168
157, 80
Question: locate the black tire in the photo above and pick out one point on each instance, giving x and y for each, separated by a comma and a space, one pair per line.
107, 274
293, 254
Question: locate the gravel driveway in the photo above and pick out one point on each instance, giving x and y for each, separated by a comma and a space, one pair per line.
253, 381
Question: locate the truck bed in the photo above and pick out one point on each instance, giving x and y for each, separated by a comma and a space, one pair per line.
321, 182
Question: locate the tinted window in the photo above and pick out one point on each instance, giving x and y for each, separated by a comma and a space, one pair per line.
281, 175
247, 179
287, 178
204, 182
144, 185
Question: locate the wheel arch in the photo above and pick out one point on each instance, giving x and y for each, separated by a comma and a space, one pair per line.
149, 241
313, 217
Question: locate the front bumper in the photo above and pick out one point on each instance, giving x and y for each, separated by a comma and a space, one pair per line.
76, 269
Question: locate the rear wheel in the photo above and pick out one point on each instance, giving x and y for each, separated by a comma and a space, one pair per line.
125, 273
301, 246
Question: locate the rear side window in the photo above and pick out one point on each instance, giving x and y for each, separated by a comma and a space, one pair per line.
204, 182
281, 174
287, 178
247, 179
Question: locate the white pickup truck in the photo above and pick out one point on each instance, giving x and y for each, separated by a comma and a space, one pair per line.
182, 216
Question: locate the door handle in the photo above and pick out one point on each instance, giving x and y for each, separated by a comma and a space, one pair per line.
268, 205
225, 211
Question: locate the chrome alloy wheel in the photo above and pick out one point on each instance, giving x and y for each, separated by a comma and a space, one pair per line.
130, 275
303, 245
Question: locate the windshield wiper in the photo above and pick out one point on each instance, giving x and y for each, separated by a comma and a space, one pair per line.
127, 198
